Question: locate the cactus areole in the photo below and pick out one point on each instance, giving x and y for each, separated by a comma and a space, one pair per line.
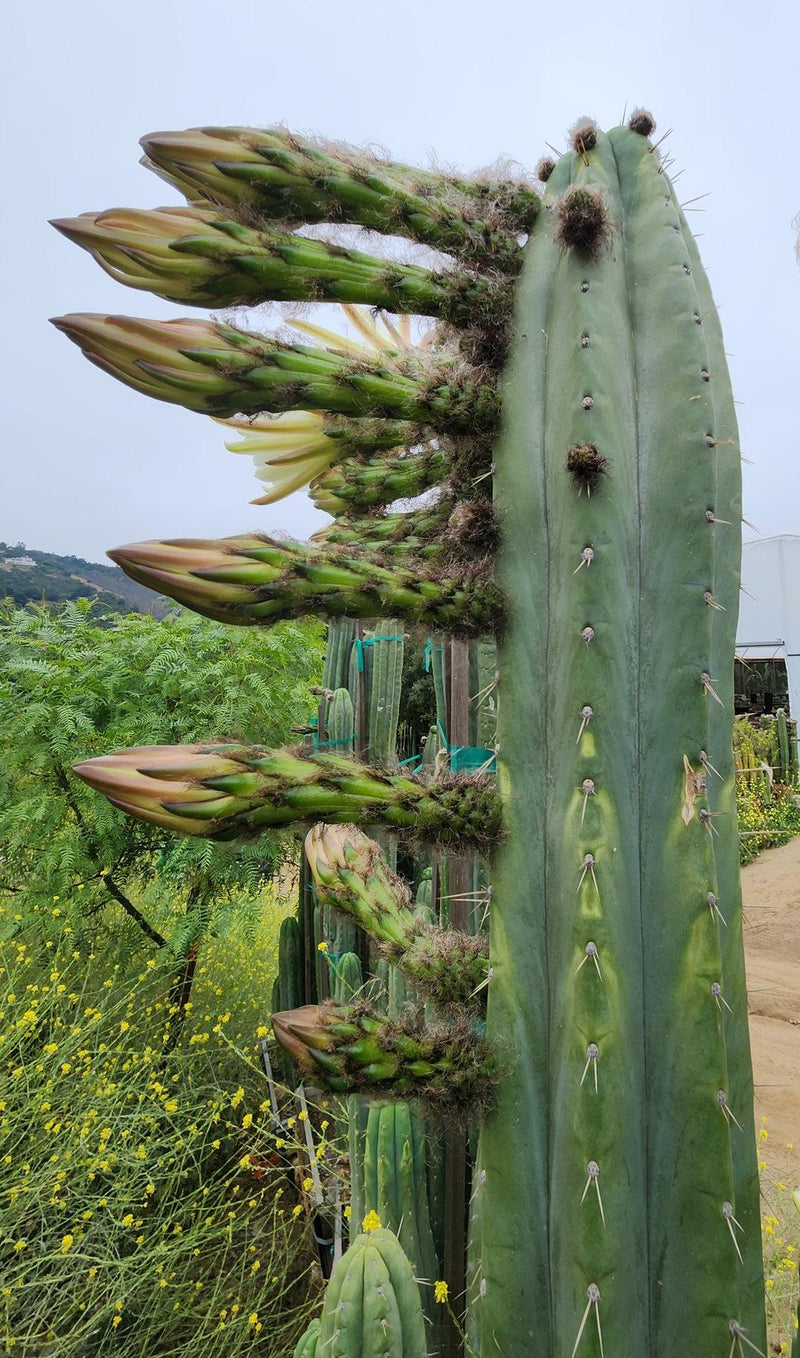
614, 1207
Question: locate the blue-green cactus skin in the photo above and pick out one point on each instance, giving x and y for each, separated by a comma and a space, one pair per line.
605, 1214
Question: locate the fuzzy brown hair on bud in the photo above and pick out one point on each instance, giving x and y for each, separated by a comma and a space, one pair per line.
642, 121
544, 169
472, 529
583, 136
582, 222
586, 466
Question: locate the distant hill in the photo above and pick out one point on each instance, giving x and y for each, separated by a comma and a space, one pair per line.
27, 575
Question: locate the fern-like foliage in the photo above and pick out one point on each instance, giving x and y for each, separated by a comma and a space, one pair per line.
69, 689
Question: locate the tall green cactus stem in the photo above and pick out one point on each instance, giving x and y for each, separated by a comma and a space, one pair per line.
372, 1304
347, 978
218, 370
279, 175
341, 722
254, 579
447, 1065
339, 644
614, 976
383, 673
395, 1182
291, 984
232, 791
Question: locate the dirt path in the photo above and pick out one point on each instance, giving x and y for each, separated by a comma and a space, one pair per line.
771, 888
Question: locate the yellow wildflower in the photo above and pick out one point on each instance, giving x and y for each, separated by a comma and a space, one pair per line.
371, 1222
441, 1291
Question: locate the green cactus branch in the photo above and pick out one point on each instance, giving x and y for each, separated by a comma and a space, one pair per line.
351, 874
216, 369
416, 534
276, 175
252, 579
346, 1049
228, 791
192, 255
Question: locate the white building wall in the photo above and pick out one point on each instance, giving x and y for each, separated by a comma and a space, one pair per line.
769, 621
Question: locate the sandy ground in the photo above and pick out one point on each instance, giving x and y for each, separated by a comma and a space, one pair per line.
771, 888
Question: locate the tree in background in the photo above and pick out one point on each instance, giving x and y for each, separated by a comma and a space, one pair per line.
70, 688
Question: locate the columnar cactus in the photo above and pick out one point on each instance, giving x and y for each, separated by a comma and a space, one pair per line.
619, 468
372, 1304
614, 1207
395, 1185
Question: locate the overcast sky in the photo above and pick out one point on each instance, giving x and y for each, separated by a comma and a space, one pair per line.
91, 464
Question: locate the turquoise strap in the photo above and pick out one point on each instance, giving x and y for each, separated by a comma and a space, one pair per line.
360, 643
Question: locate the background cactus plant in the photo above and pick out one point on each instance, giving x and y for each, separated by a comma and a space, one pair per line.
614, 1203
372, 1304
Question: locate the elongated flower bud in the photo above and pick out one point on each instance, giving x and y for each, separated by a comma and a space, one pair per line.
284, 177
253, 579
350, 873
349, 1051
219, 370
193, 255
228, 791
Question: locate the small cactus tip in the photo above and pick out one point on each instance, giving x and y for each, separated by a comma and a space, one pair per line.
642, 121
544, 169
582, 222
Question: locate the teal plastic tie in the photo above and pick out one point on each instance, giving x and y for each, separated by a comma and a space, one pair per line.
361, 642
428, 654
468, 758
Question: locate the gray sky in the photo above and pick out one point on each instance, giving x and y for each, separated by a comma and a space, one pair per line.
91, 465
